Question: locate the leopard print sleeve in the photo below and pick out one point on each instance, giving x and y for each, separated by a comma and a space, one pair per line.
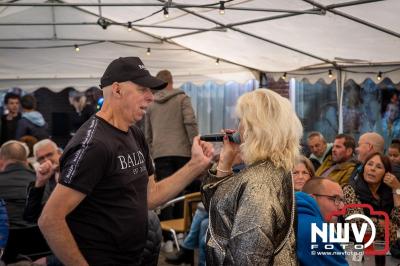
395, 216
350, 197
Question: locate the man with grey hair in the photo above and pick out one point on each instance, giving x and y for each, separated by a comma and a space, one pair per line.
318, 147
98, 212
47, 154
368, 143
15, 175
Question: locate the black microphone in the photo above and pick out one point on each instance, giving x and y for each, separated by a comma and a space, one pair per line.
235, 137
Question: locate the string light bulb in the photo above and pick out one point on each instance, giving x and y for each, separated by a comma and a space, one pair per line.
103, 23
330, 75
284, 76
166, 13
148, 51
379, 76
77, 49
129, 26
217, 61
221, 7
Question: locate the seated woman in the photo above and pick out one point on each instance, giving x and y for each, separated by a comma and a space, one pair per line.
251, 218
303, 171
378, 188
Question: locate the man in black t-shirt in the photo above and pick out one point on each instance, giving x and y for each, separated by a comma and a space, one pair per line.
97, 214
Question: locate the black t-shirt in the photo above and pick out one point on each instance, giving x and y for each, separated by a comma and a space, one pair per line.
111, 167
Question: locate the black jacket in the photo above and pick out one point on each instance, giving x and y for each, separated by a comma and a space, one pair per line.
36, 199
364, 194
13, 183
153, 241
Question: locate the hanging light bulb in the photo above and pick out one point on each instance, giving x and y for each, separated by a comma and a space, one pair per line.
129, 26
166, 13
330, 73
379, 76
221, 7
217, 61
284, 76
104, 23
148, 51
76, 48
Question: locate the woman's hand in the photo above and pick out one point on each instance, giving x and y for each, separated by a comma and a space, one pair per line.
228, 154
391, 180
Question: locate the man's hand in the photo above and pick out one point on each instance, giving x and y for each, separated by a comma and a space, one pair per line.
44, 172
202, 152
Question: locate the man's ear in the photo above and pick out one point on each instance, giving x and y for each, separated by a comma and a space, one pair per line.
116, 89
349, 152
2, 163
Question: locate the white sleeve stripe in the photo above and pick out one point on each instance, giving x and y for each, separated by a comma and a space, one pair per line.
77, 156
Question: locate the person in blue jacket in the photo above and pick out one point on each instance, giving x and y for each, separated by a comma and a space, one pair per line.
3, 227
319, 198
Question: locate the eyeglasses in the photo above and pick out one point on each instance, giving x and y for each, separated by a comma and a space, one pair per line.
41, 159
361, 143
336, 199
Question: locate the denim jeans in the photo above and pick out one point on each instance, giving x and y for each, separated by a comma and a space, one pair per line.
196, 237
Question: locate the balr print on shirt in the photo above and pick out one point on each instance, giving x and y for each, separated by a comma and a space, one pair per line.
131, 160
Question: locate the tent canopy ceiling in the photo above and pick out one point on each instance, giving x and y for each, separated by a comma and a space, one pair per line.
37, 38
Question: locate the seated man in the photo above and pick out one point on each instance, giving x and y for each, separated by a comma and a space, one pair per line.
319, 148
15, 175
47, 154
24, 237
319, 198
340, 165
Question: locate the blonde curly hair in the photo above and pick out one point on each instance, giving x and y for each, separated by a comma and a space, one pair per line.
272, 130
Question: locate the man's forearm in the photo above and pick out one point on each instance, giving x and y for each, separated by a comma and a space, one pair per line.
169, 187
61, 242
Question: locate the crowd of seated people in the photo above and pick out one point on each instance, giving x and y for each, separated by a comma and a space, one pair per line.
372, 179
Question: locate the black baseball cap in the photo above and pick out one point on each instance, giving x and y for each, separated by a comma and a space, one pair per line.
130, 69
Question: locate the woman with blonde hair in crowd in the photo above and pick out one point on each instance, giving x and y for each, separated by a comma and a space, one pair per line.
252, 212
303, 171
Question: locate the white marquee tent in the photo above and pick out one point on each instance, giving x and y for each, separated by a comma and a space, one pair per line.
37, 39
